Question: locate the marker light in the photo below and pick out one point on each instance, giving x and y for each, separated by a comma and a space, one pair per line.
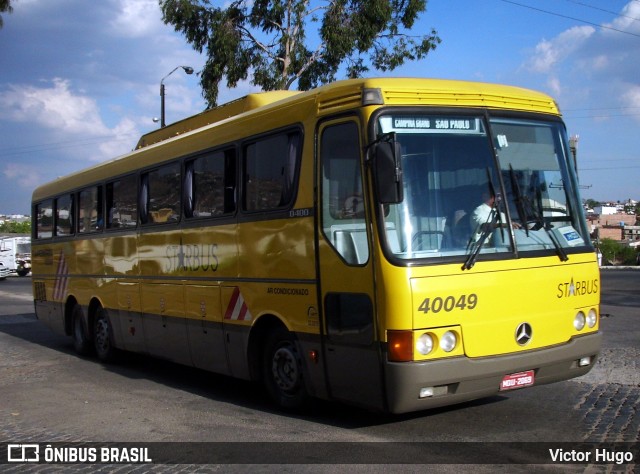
400, 346
448, 341
372, 97
424, 344
592, 318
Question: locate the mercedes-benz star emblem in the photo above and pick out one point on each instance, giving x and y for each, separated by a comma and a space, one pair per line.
524, 333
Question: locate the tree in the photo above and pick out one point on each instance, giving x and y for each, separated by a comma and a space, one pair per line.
270, 39
5, 7
615, 253
12, 227
591, 203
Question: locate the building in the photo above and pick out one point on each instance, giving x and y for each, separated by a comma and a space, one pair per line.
605, 210
621, 227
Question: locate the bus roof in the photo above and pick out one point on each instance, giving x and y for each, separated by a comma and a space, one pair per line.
336, 97
216, 114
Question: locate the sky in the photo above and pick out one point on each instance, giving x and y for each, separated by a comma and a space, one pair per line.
80, 80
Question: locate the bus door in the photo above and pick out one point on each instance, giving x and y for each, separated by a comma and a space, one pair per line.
346, 271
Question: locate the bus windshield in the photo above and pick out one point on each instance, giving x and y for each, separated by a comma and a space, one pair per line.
472, 188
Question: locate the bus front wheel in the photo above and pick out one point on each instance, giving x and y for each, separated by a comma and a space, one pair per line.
282, 371
103, 337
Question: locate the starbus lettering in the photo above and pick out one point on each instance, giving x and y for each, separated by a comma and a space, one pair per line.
577, 288
192, 258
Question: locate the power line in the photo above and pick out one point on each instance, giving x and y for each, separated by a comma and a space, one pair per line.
571, 18
601, 112
43, 147
572, 117
602, 10
609, 168
601, 108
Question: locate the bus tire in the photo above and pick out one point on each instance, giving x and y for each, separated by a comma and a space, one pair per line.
103, 337
81, 340
23, 273
282, 370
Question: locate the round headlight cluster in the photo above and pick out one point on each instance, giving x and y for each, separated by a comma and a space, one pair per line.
590, 320
426, 343
448, 341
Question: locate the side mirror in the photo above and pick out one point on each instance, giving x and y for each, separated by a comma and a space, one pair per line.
387, 172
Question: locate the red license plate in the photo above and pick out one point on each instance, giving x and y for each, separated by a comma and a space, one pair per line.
519, 380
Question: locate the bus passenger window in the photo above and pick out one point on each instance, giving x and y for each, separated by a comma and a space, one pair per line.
122, 207
90, 217
209, 185
64, 215
44, 220
269, 172
342, 197
160, 190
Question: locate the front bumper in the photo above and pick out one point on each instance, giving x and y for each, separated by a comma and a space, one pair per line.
462, 379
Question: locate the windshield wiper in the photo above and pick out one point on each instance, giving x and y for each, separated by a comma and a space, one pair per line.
522, 203
485, 231
494, 220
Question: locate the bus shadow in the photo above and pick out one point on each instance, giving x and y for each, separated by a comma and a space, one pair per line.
216, 387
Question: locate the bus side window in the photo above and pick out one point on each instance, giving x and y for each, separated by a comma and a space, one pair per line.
270, 166
64, 215
122, 207
342, 197
44, 219
90, 217
160, 191
209, 185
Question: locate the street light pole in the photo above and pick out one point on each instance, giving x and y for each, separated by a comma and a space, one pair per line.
188, 70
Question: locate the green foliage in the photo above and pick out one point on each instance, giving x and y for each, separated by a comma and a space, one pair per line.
614, 253
5, 7
591, 203
268, 39
11, 227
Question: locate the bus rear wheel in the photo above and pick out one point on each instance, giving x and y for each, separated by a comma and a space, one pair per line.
103, 337
81, 340
282, 371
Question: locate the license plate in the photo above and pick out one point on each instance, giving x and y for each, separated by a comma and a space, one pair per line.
519, 380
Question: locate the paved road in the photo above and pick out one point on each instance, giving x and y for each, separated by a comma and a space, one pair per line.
48, 394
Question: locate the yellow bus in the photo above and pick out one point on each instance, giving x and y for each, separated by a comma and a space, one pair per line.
397, 244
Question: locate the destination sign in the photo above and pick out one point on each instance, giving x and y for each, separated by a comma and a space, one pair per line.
430, 124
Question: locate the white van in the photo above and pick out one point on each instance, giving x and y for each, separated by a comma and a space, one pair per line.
15, 254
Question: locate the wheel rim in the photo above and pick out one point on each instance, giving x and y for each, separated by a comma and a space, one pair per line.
102, 335
285, 370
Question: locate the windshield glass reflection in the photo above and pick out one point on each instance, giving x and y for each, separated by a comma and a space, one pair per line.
456, 201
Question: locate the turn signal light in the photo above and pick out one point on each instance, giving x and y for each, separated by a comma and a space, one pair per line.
400, 346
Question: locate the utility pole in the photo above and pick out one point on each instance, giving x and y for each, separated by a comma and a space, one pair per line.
573, 146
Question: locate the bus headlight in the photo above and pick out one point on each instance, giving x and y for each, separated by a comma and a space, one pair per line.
448, 341
592, 318
424, 344
579, 321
